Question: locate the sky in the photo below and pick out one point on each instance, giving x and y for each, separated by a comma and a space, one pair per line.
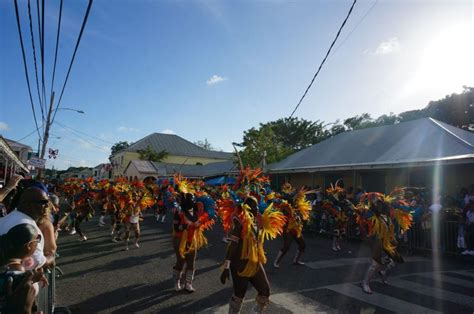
213, 69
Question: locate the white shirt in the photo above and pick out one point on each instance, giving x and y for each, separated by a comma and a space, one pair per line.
16, 218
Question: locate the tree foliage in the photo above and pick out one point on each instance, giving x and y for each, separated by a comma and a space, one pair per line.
118, 147
150, 154
275, 140
205, 144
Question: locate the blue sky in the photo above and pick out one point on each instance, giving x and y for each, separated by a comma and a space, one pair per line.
212, 69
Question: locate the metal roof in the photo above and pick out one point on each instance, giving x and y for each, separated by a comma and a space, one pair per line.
175, 145
418, 141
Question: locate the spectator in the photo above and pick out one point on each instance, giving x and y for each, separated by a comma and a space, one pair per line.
18, 244
469, 229
32, 205
47, 228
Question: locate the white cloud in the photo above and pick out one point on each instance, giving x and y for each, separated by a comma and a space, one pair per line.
4, 126
215, 79
126, 129
388, 46
168, 131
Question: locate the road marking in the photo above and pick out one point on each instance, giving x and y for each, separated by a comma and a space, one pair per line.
380, 300
338, 262
463, 272
297, 303
440, 276
432, 291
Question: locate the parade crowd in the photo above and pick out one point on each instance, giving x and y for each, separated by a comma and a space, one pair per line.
250, 212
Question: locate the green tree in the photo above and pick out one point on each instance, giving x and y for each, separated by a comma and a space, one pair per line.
259, 144
118, 147
150, 154
297, 134
276, 140
205, 144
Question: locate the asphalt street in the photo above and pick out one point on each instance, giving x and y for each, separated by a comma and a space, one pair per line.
101, 277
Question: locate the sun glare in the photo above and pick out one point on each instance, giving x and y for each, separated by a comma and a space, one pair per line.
446, 62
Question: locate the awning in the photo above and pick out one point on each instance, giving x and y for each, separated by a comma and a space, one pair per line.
7, 153
221, 180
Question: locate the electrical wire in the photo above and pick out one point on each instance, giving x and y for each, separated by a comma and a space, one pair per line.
86, 16
42, 57
28, 135
25, 66
324, 60
91, 136
57, 44
34, 58
355, 27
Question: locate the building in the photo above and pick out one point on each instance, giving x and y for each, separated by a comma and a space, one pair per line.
142, 169
10, 161
180, 152
21, 150
102, 171
422, 153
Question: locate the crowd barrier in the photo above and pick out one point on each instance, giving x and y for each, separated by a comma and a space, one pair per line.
46, 295
422, 236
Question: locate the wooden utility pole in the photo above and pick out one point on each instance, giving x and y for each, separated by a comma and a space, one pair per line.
46, 133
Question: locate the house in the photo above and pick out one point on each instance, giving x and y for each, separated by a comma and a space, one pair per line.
10, 162
102, 171
21, 150
142, 169
422, 153
180, 152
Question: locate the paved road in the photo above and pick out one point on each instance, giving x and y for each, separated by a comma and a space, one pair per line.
100, 277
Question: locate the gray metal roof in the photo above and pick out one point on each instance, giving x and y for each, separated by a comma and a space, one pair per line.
195, 171
416, 141
175, 145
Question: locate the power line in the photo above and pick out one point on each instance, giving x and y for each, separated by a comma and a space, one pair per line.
28, 135
34, 58
57, 44
25, 66
86, 16
42, 57
81, 137
324, 60
355, 27
91, 136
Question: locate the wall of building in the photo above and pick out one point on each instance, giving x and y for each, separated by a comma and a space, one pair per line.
451, 178
121, 160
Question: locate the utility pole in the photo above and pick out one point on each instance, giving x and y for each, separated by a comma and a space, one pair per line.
46, 134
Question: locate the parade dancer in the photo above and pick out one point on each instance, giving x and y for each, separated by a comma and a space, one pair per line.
194, 216
380, 213
133, 223
245, 255
296, 208
339, 208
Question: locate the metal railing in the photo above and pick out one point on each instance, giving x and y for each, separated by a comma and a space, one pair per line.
46, 295
422, 236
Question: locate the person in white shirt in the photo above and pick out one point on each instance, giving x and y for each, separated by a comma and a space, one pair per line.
32, 205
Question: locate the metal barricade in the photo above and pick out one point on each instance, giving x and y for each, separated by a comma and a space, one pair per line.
46, 295
420, 237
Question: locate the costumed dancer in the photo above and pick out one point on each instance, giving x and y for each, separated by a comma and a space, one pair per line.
339, 208
296, 208
382, 214
139, 201
194, 216
245, 255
